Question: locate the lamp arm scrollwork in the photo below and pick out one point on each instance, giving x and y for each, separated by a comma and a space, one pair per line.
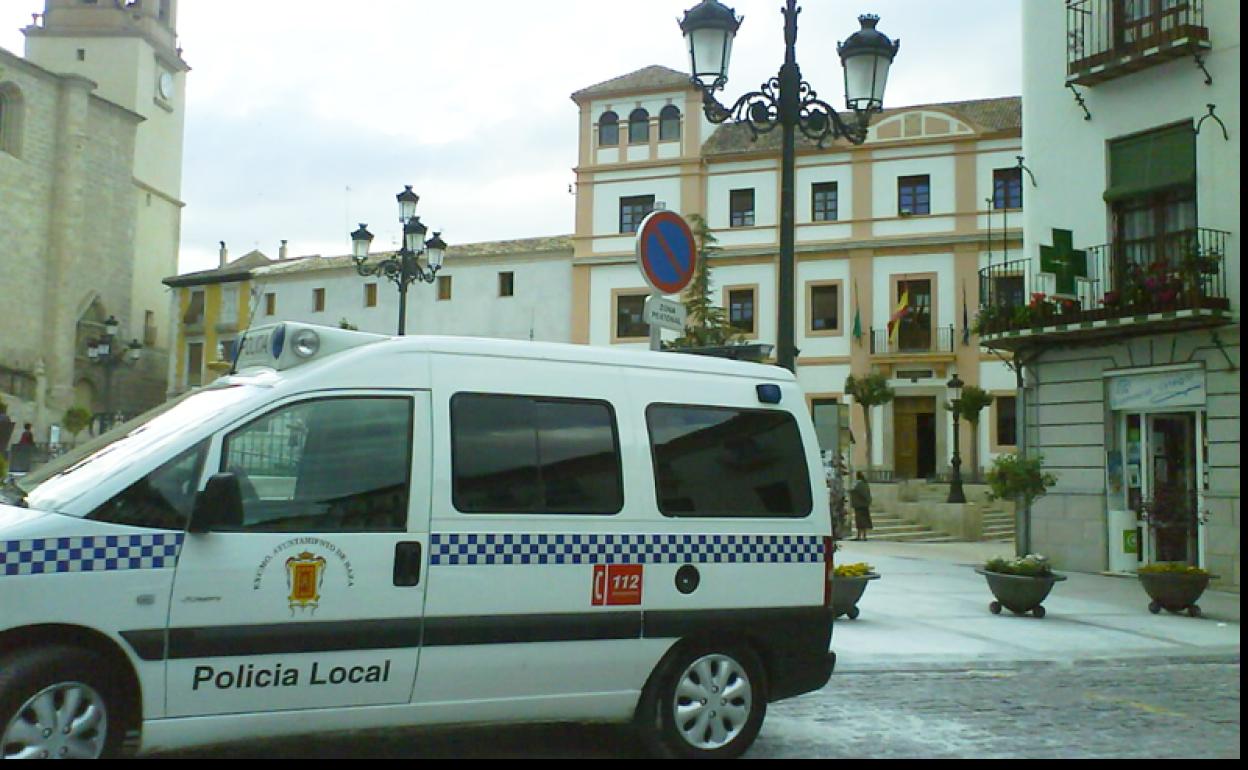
760, 111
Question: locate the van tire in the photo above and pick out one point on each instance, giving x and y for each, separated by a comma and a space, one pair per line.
672, 726
49, 677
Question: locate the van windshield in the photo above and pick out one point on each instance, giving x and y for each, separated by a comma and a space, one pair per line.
54, 486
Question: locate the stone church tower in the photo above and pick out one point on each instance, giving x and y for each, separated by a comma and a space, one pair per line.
124, 53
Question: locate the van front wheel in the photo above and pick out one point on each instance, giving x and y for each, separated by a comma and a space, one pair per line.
54, 704
706, 702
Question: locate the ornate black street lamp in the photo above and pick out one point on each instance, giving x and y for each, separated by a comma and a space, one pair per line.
403, 268
105, 353
789, 103
956, 494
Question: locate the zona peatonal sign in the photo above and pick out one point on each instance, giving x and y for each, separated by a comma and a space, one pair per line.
666, 253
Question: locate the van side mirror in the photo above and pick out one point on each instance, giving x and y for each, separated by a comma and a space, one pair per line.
219, 505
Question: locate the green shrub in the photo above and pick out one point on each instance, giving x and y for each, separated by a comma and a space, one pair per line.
1031, 565
859, 569
1171, 568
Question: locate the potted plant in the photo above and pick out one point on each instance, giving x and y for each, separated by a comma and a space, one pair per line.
849, 582
1020, 585
1173, 584
1174, 587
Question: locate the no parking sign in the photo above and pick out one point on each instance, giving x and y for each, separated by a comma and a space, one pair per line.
666, 253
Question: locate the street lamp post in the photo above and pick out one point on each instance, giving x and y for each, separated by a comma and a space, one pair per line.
105, 353
956, 493
789, 103
403, 268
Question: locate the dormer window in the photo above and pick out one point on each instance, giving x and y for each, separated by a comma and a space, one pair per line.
669, 124
609, 130
639, 127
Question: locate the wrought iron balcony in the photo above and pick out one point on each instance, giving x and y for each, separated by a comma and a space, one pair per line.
1169, 283
913, 340
1107, 39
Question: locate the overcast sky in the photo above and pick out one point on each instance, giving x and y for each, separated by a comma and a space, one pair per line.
306, 117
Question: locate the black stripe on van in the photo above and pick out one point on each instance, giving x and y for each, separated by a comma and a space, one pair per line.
778, 625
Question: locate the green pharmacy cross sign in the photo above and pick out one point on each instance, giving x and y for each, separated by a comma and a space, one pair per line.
1065, 262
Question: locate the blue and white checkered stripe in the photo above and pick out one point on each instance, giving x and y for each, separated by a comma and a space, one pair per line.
108, 553
457, 550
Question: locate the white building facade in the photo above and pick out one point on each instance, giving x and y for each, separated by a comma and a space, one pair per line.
1131, 128
934, 195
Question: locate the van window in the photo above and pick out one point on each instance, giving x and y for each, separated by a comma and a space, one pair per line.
722, 462
525, 454
330, 465
162, 499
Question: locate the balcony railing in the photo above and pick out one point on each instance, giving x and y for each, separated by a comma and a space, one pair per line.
913, 341
1181, 271
1110, 38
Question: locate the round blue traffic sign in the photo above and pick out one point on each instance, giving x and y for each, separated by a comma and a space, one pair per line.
666, 252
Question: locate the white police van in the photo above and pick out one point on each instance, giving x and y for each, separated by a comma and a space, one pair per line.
356, 531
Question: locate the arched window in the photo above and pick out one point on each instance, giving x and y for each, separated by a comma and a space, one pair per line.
669, 124
609, 130
10, 119
639, 127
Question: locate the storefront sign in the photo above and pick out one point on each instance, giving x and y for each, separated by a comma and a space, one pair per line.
1162, 390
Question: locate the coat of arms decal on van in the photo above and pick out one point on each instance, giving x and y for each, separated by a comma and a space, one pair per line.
305, 574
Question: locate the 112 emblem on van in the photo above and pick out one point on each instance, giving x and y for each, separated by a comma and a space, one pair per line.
616, 585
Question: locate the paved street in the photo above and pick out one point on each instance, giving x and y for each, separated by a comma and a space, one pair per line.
926, 671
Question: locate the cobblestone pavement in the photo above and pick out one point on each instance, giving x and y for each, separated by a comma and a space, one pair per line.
1129, 709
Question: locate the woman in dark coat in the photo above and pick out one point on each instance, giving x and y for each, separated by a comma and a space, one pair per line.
860, 501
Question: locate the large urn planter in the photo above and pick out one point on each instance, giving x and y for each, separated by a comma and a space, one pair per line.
848, 588
1020, 585
1174, 590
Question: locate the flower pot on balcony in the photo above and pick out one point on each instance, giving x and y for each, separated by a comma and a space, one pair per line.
1174, 588
1019, 594
847, 591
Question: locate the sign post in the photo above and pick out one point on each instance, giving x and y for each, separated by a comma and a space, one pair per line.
667, 257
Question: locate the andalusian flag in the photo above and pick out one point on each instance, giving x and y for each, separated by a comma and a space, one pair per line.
857, 316
894, 323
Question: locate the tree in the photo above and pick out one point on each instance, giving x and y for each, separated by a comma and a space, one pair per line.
974, 400
1019, 478
707, 324
77, 419
869, 391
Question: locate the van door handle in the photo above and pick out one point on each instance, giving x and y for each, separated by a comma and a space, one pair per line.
407, 565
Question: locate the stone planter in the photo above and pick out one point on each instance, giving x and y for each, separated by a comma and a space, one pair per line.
1174, 591
846, 591
1019, 594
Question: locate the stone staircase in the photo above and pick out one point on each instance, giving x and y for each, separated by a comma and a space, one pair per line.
917, 512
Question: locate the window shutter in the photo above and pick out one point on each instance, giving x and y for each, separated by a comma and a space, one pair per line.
1152, 162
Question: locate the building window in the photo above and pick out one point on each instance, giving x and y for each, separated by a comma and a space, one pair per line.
526, 454
824, 202
370, 295
270, 304
444, 287
318, 300
1152, 195
630, 317
639, 127
914, 195
150, 332
507, 284
914, 332
609, 130
11, 114
1007, 421
669, 124
194, 364
742, 306
1007, 188
825, 308
195, 311
632, 210
741, 208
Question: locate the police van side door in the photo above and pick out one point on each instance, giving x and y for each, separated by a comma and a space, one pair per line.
313, 596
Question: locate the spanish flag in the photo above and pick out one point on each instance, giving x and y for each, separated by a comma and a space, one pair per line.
894, 323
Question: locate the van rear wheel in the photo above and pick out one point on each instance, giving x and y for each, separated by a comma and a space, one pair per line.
708, 701
54, 704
